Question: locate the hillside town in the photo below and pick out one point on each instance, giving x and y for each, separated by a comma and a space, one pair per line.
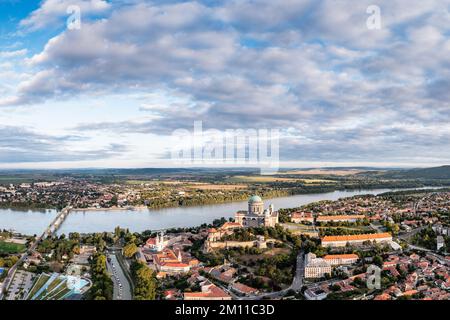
388, 247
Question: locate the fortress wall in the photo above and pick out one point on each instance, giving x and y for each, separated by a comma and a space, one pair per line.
231, 244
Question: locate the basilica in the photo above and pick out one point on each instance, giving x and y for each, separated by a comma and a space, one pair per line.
257, 216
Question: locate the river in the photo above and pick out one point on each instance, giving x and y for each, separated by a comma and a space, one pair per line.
34, 222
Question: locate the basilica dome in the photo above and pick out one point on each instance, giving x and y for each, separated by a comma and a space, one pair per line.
254, 199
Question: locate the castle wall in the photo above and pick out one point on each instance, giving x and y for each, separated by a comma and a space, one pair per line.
230, 244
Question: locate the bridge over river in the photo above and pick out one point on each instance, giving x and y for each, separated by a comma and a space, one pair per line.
49, 231
56, 223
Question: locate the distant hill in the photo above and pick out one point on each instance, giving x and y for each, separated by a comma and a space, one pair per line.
442, 172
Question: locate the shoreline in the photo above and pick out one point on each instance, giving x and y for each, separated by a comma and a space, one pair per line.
191, 220
143, 207
127, 208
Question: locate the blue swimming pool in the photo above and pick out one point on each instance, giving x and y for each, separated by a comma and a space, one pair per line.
1, 271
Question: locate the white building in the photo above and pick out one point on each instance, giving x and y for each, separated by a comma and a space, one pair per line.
158, 243
439, 242
316, 267
341, 259
357, 239
257, 216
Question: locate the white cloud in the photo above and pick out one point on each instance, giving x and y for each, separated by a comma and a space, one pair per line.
13, 54
310, 66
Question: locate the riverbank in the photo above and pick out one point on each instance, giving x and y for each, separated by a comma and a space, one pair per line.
186, 202
181, 217
143, 218
127, 208
217, 199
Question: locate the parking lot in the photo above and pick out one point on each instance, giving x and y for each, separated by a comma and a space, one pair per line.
21, 283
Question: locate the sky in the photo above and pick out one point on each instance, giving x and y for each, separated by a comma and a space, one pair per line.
344, 84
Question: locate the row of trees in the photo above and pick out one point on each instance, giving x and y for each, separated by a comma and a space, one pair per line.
8, 261
342, 231
102, 285
144, 281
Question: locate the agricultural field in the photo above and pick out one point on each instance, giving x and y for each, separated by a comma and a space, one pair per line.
201, 186
261, 179
139, 182
271, 179
334, 172
316, 181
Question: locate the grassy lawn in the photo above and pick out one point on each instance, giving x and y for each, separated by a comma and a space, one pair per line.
43, 278
297, 229
60, 293
356, 228
8, 248
297, 226
50, 288
54, 284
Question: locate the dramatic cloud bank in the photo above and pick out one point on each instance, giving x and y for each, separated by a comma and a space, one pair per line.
337, 90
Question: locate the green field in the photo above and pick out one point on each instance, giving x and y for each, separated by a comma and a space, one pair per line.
40, 281
8, 248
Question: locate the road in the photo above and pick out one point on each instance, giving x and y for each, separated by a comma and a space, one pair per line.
122, 289
297, 283
408, 235
440, 258
419, 248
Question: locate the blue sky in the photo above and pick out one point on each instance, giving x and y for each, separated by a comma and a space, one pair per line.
111, 93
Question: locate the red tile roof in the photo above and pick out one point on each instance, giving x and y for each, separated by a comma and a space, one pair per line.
340, 217
341, 256
357, 237
243, 288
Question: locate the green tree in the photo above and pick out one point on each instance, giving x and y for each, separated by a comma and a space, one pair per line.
378, 260
145, 281
102, 285
130, 250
